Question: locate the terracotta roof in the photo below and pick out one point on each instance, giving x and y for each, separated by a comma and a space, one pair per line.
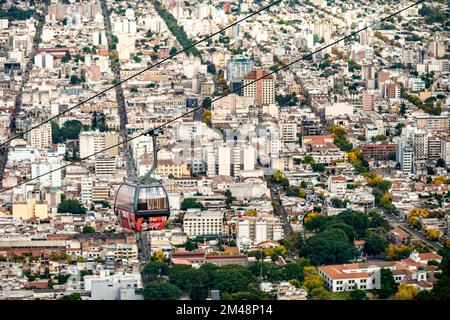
256, 74
336, 272
411, 262
430, 256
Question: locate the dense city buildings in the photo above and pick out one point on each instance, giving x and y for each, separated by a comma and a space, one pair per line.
287, 168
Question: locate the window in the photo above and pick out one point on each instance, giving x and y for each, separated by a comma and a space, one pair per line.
152, 199
125, 198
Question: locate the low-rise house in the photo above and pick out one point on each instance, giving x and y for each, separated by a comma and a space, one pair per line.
287, 291
366, 276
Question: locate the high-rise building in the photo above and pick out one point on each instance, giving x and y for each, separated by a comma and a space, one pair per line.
262, 90
238, 68
43, 60
105, 165
254, 230
224, 157
41, 137
392, 90
368, 71
437, 48
288, 131
46, 179
94, 141
368, 101
99, 38
434, 148
420, 142
405, 156
86, 190
407, 55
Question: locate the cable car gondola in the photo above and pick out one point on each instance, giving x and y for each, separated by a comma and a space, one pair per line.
142, 204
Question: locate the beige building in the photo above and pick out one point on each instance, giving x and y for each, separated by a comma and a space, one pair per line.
30, 209
172, 168
262, 90
95, 141
41, 137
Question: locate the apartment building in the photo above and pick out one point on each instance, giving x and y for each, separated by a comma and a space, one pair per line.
262, 90
95, 141
253, 230
41, 137
198, 223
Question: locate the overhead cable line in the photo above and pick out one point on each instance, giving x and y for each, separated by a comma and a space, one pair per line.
139, 73
150, 131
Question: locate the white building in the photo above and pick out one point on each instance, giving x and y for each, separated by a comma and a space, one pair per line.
43, 60
197, 222
253, 230
338, 109
41, 169
113, 287
337, 184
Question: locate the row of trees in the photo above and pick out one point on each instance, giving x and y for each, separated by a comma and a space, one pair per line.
176, 30
235, 282
13, 13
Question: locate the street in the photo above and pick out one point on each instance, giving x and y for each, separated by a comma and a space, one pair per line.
396, 222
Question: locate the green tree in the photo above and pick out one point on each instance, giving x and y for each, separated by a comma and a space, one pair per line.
294, 270
191, 245
232, 279
191, 203
154, 269
387, 284
357, 220
88, 229
71, 206
349, 230
66, 57
71, 130
375, 245
329, 247
173, 51
62, 278
230, 199
73, 296
269, 271
358, 294
317, 223
441, 289
56, 133
161, 291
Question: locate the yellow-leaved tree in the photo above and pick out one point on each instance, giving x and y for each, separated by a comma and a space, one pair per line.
309, 216
414, 215
207, 116
278, 175
447, 243
281, 250
158, 256
439, 180
251, 213
406, 292
302, 193
394, 251
433, 234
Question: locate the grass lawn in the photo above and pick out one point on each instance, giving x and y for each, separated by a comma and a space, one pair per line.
340, 296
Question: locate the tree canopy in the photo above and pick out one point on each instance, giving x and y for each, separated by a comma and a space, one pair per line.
329, 247
161, 291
